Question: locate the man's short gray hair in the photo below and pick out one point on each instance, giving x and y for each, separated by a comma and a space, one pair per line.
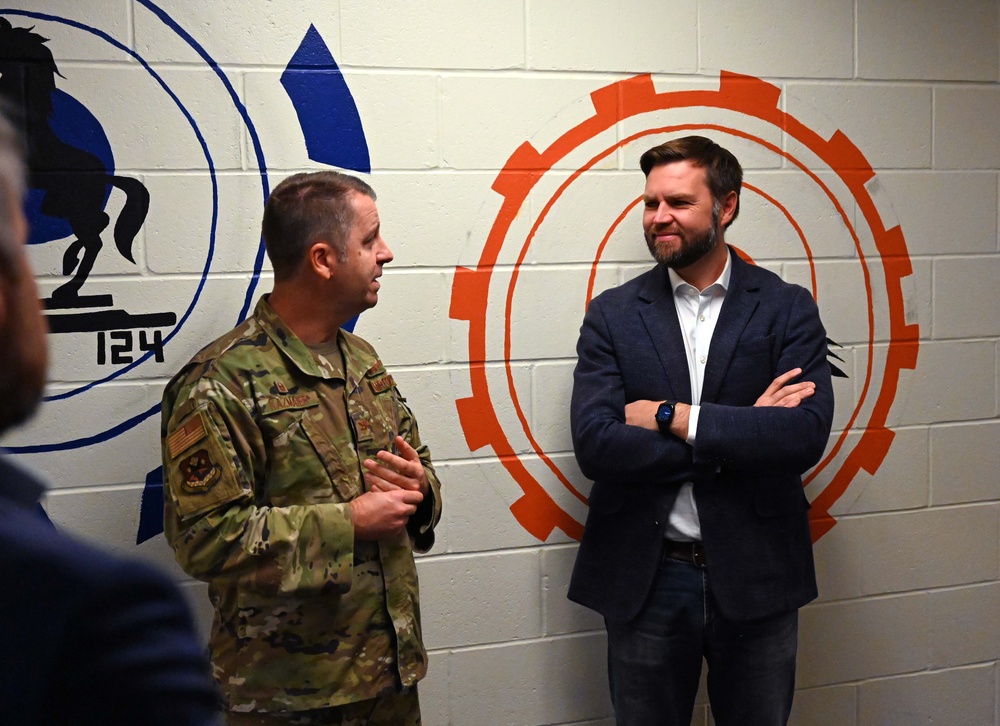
11, 193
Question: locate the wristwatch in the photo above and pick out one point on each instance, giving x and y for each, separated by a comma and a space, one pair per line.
664, 415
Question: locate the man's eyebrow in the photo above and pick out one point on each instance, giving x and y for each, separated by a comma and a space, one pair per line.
676, 197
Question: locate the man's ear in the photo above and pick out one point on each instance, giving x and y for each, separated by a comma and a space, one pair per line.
322, 259
728, 208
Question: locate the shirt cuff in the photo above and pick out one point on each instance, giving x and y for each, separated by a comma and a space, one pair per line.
693, 424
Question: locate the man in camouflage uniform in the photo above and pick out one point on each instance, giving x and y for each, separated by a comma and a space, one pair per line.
297, 485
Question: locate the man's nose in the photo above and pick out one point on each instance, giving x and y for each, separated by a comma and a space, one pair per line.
664, 214
384, 254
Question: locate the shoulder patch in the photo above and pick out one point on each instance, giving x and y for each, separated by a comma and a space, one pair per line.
199, 472
186, 436
199, 465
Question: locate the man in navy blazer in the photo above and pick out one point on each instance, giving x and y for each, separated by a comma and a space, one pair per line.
701, 395
85, 638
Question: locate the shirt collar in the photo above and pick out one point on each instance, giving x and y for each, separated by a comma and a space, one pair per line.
677, 283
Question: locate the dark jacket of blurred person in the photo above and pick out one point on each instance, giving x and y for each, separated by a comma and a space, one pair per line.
85, 637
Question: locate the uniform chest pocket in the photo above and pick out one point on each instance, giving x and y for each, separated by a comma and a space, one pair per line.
336, 451
304, 465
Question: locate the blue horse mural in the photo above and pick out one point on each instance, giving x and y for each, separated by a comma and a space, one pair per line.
74, 183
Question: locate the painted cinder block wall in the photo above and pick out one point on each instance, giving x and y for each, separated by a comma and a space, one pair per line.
189, 94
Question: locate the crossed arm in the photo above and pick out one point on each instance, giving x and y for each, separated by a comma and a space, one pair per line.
781, 393
785, 425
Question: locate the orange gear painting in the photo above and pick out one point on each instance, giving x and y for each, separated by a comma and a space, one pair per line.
533, 184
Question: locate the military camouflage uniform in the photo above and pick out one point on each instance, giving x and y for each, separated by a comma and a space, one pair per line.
262, 447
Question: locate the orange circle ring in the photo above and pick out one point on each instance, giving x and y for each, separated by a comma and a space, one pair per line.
536, 510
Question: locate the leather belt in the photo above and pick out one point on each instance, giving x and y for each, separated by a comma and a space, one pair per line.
692, 552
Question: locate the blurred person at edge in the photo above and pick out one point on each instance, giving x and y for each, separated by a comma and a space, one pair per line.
86, 638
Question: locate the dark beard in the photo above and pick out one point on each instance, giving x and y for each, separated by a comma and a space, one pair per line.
691, 249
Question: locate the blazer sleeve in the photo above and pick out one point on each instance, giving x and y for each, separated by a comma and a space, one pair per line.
607, 449
770, 438
134, 657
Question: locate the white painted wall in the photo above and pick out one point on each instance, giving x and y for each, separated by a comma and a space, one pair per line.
906, 629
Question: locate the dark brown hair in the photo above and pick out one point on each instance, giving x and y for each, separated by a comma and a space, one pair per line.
304, 209
722, 170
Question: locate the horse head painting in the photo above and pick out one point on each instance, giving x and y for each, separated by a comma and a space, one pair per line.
74, 183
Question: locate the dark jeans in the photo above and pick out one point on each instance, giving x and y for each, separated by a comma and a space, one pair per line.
654, 661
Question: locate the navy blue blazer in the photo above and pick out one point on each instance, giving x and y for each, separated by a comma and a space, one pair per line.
746, 463
87, 638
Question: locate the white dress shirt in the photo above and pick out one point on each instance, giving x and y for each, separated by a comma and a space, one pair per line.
697, 312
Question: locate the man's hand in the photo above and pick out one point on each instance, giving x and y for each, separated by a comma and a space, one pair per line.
391, 472
786, 396
383, 514
643, 413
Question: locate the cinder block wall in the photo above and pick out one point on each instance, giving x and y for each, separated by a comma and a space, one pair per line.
878, 191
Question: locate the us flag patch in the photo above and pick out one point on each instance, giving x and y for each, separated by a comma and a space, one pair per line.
186, 436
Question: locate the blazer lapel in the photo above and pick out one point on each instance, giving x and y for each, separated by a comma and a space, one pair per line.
741, 300
660, 318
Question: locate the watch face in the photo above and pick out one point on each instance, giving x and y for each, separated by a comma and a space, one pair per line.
664, 413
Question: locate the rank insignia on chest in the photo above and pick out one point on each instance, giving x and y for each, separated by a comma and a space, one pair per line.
200, 472
280, 387
363, 425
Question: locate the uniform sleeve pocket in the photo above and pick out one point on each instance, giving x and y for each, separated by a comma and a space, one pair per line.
201, 470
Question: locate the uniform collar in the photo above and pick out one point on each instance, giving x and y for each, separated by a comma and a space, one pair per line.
293, 348
359, 361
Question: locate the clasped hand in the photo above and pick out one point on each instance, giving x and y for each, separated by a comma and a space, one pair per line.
397, 483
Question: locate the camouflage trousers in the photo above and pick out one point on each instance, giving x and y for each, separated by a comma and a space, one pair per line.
397, 709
